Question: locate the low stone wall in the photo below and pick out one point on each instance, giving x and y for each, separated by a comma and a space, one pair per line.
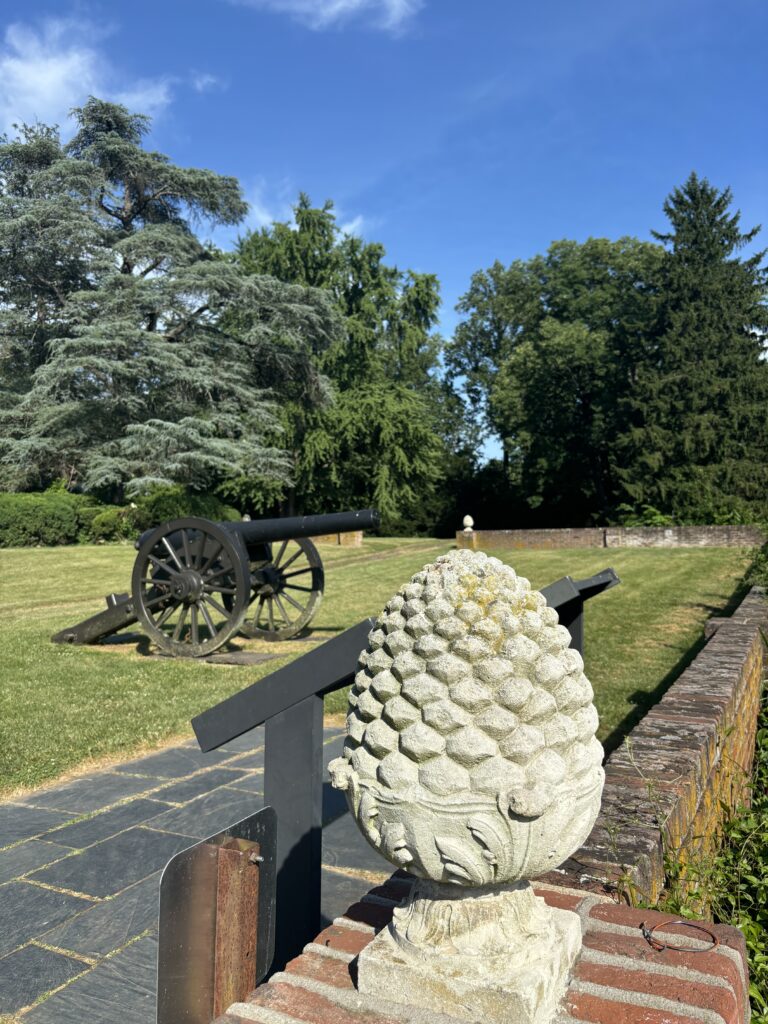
683, 536
615, 537
691, 754
618, 977
483, 540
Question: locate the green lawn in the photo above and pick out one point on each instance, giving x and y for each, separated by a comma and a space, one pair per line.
62, 707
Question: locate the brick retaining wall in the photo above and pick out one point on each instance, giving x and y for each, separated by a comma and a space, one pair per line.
618, 978
615, 537
690, 754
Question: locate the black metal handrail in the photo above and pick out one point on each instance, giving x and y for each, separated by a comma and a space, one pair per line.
289, 702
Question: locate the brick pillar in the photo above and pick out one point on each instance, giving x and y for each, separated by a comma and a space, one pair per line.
618, 979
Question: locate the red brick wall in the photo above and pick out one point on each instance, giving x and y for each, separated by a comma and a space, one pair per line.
618, 979
666, 785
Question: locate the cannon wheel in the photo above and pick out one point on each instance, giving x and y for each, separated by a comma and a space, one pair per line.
286, 591
190, 587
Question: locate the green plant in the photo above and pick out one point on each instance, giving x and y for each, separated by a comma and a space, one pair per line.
647, 515
113, 524
757, 574
173, 501
730, 884
54, 517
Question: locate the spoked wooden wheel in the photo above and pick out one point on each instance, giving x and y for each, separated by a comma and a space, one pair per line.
190, 587
286, 591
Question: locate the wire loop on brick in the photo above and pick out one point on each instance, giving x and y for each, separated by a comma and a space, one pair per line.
660, 946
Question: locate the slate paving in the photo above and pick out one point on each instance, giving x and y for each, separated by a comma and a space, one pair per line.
80, 867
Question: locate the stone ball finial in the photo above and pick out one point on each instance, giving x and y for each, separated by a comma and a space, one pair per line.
468, 523
471, 755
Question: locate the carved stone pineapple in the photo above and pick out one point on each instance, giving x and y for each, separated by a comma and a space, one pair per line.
471, 761
471, 754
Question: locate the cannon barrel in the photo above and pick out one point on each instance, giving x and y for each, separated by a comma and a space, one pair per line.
292, 527
262, 531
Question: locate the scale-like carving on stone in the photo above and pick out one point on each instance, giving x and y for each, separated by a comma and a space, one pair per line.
471, 761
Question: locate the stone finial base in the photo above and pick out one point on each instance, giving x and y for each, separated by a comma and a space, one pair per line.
498, 955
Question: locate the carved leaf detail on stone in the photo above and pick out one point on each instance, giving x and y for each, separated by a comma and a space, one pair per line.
461, 863
494, 839
368, 812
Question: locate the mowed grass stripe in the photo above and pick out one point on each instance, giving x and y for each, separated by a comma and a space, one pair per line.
65, 707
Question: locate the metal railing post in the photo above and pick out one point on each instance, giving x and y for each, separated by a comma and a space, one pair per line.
293, 762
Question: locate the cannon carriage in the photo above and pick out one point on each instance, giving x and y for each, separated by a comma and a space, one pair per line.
196, 584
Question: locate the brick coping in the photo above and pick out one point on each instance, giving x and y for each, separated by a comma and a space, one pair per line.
618, 979
687, 759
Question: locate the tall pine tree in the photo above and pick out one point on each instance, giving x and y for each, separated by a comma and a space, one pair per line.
697, 447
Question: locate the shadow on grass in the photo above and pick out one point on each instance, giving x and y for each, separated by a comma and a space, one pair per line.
644, 700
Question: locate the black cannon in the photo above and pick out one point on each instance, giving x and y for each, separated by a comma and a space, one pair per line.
196, 583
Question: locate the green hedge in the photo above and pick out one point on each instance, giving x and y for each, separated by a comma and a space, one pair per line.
58, 517
175, 502
49, 518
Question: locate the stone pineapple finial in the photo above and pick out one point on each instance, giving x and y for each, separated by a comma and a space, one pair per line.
471, 761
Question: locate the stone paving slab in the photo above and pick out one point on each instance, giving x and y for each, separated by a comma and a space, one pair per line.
247, 742
207, 814
30, 972
108, 823
344, 847
196, 785
119, 989
89, 793
252, 783
29, 910
109, 866
34, 853
114, 857
173, 763
254, 760
108, 926
19, 821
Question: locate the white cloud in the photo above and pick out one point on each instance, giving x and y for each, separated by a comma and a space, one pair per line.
389, 15
203, 82
265, 205
354, 226
48, 69
147, 96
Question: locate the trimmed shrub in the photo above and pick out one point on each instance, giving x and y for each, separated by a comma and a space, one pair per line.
44, 519
113, 523
175, 502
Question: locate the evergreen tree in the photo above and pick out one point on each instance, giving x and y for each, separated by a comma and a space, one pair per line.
696, 447
379, 443
115, 364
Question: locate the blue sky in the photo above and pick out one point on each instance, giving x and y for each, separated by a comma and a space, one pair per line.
456, 132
